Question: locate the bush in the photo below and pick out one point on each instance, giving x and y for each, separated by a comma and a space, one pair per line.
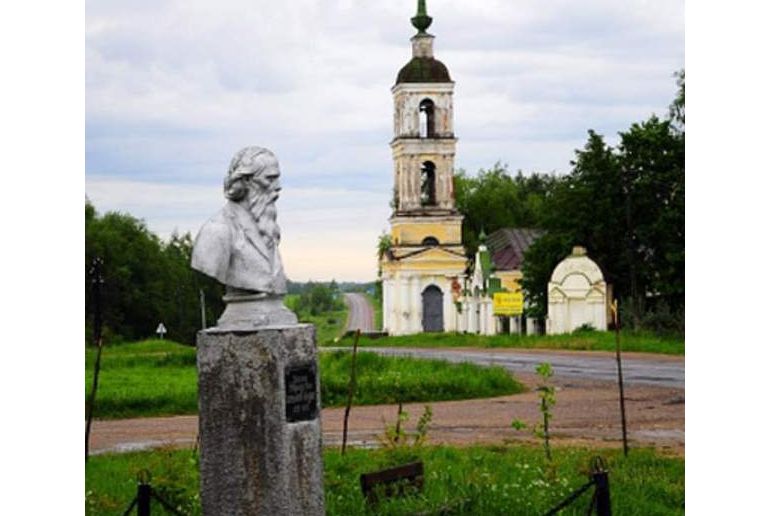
318, 298
663, 321
584, 328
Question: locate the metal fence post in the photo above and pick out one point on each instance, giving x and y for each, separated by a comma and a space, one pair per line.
601, 481
143, 495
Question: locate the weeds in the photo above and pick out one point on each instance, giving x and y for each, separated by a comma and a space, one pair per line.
396, 436
488, 480
547, 394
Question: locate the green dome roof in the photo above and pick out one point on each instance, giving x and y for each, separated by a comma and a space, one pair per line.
423, 69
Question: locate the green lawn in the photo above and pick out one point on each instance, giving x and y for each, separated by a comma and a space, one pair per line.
383, 379
583, 340
488, 480
377, 307
156, 377
328, 326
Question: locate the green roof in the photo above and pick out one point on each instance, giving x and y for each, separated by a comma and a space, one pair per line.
423, 69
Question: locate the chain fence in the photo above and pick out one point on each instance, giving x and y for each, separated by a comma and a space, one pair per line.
600, 501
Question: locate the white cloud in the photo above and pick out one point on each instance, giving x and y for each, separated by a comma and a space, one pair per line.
174, 88
326, 232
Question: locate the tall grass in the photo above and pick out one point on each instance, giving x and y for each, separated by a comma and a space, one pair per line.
488, 480
329, 326
382, 379
377, 308
157, 377
149, 378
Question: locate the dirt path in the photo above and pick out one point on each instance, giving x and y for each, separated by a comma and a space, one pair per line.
586, 413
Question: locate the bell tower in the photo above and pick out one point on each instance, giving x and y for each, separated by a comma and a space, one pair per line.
426, 230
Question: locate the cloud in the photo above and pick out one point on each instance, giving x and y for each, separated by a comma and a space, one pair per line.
326, 232
174, 88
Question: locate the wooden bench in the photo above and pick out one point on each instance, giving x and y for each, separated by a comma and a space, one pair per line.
399, 481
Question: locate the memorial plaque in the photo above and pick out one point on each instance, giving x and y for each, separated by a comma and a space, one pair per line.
301, 396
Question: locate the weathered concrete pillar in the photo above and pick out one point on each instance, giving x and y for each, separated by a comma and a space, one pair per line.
260, 425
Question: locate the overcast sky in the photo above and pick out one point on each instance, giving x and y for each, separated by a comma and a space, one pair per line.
174, 88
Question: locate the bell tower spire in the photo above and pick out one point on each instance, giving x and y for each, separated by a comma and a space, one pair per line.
421, 21
427, 257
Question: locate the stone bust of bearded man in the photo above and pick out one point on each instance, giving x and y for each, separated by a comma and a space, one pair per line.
239, 245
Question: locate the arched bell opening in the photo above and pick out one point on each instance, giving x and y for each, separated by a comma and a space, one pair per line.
428, 184
427, 119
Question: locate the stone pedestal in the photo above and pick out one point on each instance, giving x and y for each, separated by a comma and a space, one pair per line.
260, 422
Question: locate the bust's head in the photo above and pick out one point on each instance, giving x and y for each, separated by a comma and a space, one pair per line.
253, 173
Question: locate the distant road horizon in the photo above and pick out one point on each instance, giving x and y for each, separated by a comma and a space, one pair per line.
360, 313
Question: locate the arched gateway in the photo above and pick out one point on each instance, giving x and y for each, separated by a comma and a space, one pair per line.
432, 309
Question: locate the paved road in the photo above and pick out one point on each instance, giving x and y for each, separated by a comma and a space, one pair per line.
360, 314
638, 369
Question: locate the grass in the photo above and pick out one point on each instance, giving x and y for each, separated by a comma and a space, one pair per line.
377, 308
383, 379
157, 377
582, 340
149, 378
329, 326
488, 480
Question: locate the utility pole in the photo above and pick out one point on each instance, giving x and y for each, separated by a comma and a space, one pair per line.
616, 320
96, 281
203, 309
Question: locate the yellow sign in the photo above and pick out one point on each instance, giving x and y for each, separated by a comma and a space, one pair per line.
508, 303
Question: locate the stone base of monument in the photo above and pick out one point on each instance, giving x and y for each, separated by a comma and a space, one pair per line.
253, 310
260, 424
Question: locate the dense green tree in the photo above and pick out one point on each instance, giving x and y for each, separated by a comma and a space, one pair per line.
493, 199
317, 298
146, 281
626, 205
583, 208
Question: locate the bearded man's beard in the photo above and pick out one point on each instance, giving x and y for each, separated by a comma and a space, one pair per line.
265, 213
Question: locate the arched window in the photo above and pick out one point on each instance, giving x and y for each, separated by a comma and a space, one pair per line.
427, 119
430, 241
428, 184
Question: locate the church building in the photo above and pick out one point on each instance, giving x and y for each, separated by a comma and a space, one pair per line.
423, 271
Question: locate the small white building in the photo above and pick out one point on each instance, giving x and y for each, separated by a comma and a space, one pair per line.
577, 295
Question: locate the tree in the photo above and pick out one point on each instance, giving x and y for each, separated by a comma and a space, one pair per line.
626, 205
494, 199
583, 208
317, 298
146, 281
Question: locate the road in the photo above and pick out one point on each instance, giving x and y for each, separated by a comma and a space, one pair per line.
586, 412
360, 313
638, 368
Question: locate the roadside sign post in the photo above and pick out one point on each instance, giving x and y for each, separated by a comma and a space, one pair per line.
508, 303
96, 281
161, 331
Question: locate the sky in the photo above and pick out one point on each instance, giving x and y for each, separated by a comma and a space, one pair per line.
174, 88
